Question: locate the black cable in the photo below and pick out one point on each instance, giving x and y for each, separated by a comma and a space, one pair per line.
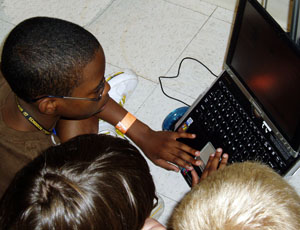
178, 72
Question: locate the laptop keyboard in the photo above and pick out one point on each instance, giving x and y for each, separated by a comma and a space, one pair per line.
223, 117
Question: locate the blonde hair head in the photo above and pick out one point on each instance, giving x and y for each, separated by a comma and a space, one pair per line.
242, 196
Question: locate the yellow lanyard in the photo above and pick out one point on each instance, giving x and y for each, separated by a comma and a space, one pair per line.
31, 119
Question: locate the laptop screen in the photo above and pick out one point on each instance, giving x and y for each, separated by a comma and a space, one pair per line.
267, 62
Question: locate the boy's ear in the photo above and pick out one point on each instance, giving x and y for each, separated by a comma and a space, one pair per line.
48, 106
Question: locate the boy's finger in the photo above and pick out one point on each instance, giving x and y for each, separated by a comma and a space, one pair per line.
207, 167
166, 165
188, 159
187, 149
224, 160
183, 163
195, 178
184, 135
215, 162
208, 164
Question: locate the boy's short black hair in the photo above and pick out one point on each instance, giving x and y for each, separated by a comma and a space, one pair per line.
46, 56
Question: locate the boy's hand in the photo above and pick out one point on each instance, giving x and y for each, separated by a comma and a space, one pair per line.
162, 147
212, 165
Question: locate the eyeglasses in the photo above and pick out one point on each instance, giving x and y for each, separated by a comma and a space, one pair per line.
101, 86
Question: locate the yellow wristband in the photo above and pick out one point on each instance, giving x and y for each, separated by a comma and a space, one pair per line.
126, 123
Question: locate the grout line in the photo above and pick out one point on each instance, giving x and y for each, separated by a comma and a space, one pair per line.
190, 8
151, 80
170, 198
211, 16
174, 90
224, 7
184, 49
3, 20
144, 101
99, 14
232, 20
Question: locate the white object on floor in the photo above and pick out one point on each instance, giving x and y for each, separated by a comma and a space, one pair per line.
122, 86
159, 209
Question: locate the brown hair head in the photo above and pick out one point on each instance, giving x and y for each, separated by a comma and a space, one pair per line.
91, 182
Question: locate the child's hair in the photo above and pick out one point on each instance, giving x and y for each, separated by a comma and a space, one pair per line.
243, 196
90, 182
46, 56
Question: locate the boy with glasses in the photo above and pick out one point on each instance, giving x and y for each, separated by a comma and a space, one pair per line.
54, 78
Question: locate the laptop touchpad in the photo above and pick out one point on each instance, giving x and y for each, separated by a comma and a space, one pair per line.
205, 152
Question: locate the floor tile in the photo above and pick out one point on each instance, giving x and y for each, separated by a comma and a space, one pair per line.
169, 183
281, 10
196, 5
145, 35
158, 106
171, 186
227, 4
153, 112
80, 12
209, 47
224, 14
169, 207
110, 69
142, 92
294, 181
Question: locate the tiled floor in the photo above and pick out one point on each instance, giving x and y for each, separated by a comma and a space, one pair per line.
149, 37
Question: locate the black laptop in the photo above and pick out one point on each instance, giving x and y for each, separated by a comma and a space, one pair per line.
252, 110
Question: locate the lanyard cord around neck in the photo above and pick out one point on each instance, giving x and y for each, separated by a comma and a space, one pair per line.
31, 119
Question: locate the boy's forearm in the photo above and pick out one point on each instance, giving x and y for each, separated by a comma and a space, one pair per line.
113, 113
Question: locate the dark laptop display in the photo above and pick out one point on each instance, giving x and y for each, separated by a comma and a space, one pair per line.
252, 110
268, 63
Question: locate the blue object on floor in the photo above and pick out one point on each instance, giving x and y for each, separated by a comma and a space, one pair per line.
170, 120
